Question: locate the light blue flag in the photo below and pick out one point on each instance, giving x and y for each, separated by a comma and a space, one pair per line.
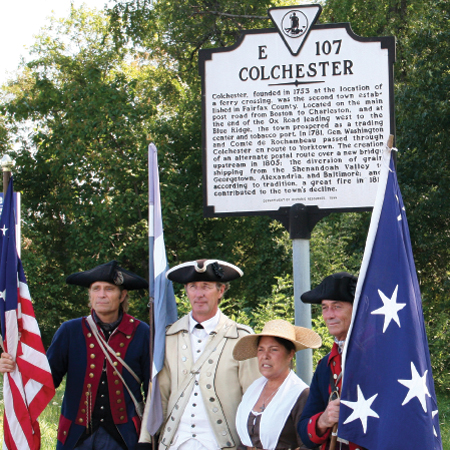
161, 289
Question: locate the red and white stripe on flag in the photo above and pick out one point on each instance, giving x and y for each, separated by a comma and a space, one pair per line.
28, 389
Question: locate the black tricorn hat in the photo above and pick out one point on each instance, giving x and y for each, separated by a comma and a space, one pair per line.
339, 286
204, 270
111, 273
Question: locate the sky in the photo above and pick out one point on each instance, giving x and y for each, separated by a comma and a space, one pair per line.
20, 20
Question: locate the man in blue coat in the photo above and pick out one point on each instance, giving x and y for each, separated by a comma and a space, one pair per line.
105, 358
321, 413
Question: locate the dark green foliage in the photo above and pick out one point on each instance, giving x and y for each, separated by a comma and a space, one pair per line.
181, 28
84, 186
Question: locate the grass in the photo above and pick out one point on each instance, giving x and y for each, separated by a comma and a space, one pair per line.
443, 400
50, 417
48, 420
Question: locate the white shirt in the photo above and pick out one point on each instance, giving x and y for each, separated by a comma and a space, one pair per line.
194, 430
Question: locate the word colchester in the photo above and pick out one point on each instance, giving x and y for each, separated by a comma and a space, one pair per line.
288, 71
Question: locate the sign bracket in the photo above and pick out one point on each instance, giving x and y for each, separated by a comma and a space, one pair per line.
299, 219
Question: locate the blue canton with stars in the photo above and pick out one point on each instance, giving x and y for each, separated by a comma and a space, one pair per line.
9, 260
388, 400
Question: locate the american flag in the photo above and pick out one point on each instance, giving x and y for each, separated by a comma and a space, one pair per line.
161, 289
388, 400
28, 389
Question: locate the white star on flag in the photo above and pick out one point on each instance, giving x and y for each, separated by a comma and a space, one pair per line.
432, 415
390, 308
399, 217
4, 229
361, 409
417, 387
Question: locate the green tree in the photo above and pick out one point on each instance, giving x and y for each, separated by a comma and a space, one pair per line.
82, 165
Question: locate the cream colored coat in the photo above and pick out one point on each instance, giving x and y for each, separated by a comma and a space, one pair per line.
222, 381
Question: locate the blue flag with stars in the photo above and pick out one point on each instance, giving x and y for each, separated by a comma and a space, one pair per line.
388, 401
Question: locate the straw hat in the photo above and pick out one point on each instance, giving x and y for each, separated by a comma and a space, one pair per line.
302, 338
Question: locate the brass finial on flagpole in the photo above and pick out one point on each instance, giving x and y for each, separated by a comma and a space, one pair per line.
7, 165
391, 141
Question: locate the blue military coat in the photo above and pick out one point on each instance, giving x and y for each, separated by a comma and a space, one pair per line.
74, 352
329, 367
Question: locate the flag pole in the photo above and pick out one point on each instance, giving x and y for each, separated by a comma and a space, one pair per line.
151, 269
7, 164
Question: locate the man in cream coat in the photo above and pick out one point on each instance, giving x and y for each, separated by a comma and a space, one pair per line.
201, 383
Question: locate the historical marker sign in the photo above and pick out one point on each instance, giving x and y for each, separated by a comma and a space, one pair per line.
296, 114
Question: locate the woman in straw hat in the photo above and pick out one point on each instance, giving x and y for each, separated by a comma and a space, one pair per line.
272, 405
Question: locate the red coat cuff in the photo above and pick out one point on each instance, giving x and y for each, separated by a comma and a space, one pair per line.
312, 430
63, 429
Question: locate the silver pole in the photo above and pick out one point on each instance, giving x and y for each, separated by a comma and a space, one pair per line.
302, 283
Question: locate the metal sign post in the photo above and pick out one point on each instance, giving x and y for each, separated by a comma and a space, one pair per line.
302, 283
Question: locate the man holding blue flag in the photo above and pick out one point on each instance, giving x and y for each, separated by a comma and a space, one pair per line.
321, 413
